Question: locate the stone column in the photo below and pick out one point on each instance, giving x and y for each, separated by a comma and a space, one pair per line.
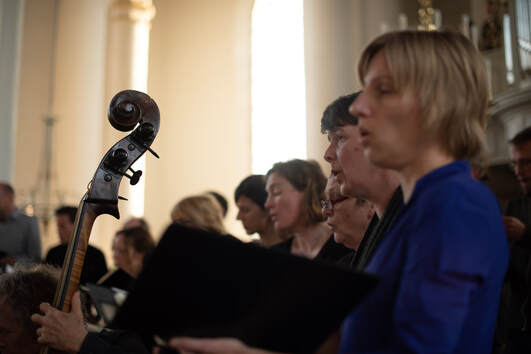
129, 24
11, 12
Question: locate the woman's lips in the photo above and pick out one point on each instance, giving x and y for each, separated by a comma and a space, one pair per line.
364, 136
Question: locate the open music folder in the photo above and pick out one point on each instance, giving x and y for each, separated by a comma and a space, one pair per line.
207, 285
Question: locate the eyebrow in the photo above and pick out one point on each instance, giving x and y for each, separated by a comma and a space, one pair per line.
379, 78
271, 186
335, 132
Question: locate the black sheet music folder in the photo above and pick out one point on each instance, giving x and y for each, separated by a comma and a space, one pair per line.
207, 285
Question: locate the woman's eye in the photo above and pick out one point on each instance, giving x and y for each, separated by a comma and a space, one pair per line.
360, 202
384, 89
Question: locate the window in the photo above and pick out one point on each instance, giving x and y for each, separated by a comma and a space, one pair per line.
278, 83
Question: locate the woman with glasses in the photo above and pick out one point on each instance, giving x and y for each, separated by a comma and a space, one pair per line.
346, 217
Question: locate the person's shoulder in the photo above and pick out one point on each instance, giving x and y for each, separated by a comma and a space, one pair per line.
334, 249
519, 201
58, 248
22, 217
56, 254
459, 226
94, 251
283, 246
117, 278
461, 210
459, 191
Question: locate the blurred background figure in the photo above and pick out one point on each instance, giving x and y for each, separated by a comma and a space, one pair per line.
513, 334
94, 267
347, 217
134, 222
222, 202
250, 197
294, 192
130, 249
20, 232
199, 211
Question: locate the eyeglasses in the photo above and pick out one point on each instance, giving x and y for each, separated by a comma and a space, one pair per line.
328, 204
522, 163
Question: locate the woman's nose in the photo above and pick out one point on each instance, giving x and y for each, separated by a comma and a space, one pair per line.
359, 108
330, 153
268, 203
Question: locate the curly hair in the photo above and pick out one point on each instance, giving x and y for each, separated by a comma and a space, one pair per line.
26, 288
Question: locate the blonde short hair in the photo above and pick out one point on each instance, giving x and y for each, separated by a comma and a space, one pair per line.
199, 211
447, 74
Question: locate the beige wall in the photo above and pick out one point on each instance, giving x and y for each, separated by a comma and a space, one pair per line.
78, 99
199, 74
332, 44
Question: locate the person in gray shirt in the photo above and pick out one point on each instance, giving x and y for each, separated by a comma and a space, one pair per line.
19, 233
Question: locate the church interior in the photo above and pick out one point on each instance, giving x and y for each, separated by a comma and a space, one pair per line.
265, 176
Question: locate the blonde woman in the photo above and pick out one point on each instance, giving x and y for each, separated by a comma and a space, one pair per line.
201, 212
422, 113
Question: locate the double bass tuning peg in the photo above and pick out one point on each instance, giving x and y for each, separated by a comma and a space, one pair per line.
151, 151
134, 178
144, 135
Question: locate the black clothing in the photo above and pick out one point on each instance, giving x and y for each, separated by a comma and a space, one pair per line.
331, 252
520, 208
117, 279
93, 269
113, 342
276, 302
376, 230
513, 329
346, 260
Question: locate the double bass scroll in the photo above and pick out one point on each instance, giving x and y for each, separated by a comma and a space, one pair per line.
128, 110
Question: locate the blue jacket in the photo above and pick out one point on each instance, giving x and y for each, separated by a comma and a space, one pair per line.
441, 264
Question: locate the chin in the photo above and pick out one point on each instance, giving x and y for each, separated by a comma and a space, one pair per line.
282, 229
339, 239
381, 161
